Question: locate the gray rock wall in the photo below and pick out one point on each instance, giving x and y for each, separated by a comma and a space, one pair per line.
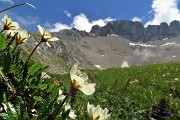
135, 31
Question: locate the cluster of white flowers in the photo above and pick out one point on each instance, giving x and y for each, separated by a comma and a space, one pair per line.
79, 81
11, 28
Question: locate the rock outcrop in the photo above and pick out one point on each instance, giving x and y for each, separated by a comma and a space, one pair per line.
135, 31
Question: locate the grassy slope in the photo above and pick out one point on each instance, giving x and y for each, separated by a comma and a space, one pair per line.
154, 83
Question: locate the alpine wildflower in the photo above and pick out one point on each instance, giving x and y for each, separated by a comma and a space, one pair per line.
79, 81
97, 113
46, 35
9, 24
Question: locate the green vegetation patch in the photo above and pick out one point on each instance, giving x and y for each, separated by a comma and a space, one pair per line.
131, 93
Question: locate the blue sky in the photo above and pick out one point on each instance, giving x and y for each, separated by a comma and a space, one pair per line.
83, 14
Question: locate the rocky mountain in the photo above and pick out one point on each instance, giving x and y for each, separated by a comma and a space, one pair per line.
108, 46
135, 31
62, 54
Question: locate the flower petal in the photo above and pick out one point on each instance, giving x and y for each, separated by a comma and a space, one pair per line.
88, 89
90, 109
15, 25
78, 80
41, 29
54, 39
48, 44
73, 70
72, 114
84, 76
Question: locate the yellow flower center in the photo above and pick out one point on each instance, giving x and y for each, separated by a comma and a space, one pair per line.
74, 85
46, 36
20, 40
97, 118
56, 82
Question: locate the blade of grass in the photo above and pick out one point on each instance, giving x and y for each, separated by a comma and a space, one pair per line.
16, 6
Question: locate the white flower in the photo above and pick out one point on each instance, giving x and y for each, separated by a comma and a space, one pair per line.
72, 114
97, 113
46, 35
22, 35
45, 75
9, 24
104, 114
67, 106
134, 81
79, 81
9, 107
61, 96
9, 33
12, 108
33, 112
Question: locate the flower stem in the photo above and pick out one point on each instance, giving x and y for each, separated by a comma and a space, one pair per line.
2, 30
34, 50
15, 47
60, 106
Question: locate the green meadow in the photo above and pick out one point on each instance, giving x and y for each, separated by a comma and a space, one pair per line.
130, 93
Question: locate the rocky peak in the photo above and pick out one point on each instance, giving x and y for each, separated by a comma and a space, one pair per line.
135, 31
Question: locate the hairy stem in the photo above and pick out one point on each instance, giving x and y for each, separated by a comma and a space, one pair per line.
34, 50
15, 47
2, 30
61, 105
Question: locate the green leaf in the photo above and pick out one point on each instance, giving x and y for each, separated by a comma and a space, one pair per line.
38, 98
4, 116
42, 87
34, 68
3, 42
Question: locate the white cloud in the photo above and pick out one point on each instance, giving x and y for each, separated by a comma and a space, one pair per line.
164, 11
7, 1
59, 26
68, 14
80, 22
136, 19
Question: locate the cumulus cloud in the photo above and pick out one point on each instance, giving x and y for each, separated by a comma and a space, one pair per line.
7, 1
68, 14
164, 11
136, 19
59, 26
80, 22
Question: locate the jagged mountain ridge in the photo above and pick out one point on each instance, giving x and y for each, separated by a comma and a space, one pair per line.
90, 50
135, 31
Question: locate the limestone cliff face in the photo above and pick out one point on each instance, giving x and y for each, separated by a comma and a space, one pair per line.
135, 31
